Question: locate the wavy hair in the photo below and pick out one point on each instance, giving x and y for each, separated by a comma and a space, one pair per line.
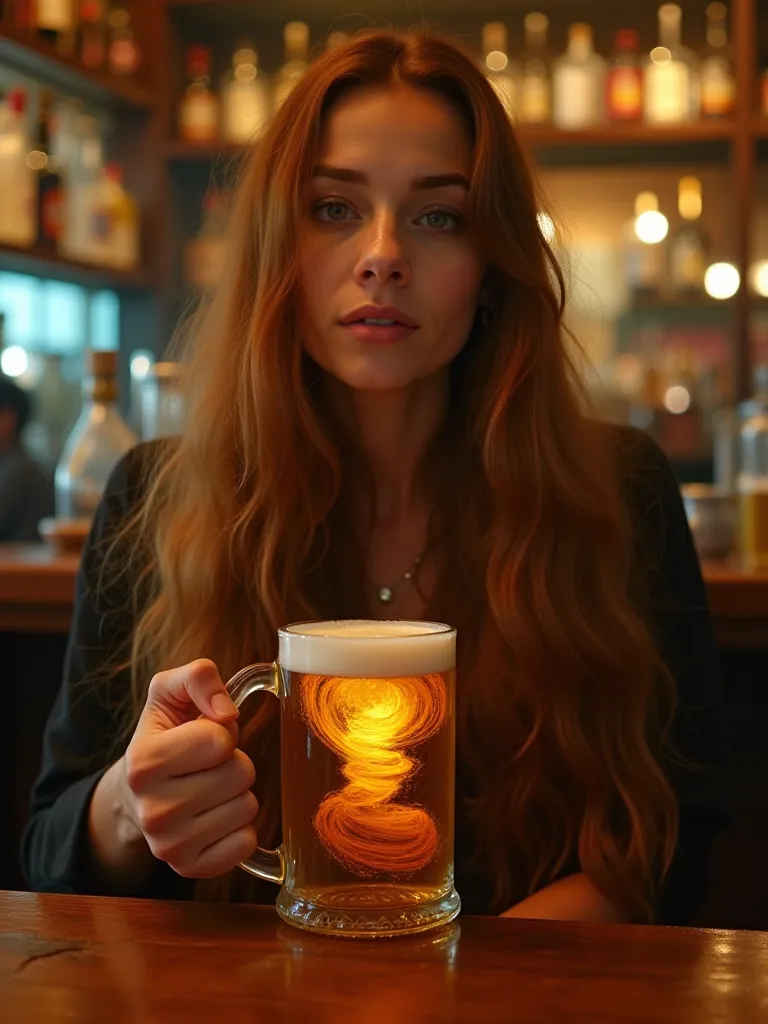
564, 701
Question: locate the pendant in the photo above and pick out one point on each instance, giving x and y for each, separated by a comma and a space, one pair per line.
384, 594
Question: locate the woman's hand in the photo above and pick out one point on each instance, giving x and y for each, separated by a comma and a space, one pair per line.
185, 785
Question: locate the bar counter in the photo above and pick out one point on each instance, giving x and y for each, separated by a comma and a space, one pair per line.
79, 958
37, 588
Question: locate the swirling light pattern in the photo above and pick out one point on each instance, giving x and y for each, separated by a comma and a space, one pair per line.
369, 723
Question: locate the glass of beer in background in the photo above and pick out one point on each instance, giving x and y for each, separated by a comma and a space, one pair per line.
368, 775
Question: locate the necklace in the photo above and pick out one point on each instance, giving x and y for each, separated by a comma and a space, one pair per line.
386, 595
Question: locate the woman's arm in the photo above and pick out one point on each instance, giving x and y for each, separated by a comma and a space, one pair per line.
573, 898
74, 841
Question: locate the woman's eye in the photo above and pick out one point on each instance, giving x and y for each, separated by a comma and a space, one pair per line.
332, 210
441, 220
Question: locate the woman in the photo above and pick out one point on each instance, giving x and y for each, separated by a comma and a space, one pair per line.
382, 406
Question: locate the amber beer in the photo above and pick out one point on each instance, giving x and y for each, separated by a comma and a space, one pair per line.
368, 775
753, 503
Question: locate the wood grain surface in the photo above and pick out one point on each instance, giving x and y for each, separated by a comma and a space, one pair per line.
108, 961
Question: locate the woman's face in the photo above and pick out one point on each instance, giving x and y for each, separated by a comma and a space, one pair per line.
389, 277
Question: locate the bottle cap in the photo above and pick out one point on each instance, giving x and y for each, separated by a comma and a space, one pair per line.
296, 36
536, 22
198, 59
100, 363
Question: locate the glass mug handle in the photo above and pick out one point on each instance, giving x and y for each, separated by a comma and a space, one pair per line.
263, 677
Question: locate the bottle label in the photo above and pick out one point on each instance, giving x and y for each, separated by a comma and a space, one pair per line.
245, 113
718, 90
688, 261
124, 57
51, 210
626, 94
54, 15
576, 97
667, 93
535, 100
198, 118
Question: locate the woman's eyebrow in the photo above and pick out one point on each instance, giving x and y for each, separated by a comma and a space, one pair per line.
423, 183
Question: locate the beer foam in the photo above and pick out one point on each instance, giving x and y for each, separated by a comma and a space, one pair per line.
368, 649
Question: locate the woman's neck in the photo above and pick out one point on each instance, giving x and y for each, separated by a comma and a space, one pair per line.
393, 430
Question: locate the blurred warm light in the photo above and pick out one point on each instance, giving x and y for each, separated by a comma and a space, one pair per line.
721, 281
661, 55
14, 361
140, 364
651, 227
546, 226
496, 60
759, 277
677, 399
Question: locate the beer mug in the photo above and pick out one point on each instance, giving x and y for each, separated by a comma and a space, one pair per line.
368, 773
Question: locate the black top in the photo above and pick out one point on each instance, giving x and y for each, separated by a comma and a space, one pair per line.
78, 741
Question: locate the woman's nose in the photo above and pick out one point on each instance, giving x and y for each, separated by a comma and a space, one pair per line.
383, 258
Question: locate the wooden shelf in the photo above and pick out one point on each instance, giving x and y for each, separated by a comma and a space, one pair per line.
178, 151
539, 137
36, 57
760, 127
42, 263
628, 134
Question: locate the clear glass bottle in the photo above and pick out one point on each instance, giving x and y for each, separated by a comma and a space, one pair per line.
199, 108
718, 82
535, 105
624, 98
296, 47
245, 99
99, 439
671, 86
688, 246
579, 82
502, 73
644, 249
753, 488
83, 182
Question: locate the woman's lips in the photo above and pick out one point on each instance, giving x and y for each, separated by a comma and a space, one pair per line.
378, 334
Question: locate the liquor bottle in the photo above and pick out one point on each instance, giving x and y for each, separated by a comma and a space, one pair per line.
579, 82
204, 256
124, 54
689, 246
644, 248
718, 82
199, 109
55, 21
753, 489
18, 208
245, 100
93, 34
296, 47
535, 105
499, 70
625, 79
97, 442
50, 185
115, 222
671, 86
83, 180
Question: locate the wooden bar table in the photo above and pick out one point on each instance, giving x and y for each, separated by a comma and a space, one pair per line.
94, 960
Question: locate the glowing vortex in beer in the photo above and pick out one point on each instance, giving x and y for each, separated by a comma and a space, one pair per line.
369, 723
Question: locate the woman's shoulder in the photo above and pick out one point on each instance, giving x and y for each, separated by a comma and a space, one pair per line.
131, 475
648, 482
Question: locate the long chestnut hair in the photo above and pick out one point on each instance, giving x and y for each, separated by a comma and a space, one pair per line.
247, 523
